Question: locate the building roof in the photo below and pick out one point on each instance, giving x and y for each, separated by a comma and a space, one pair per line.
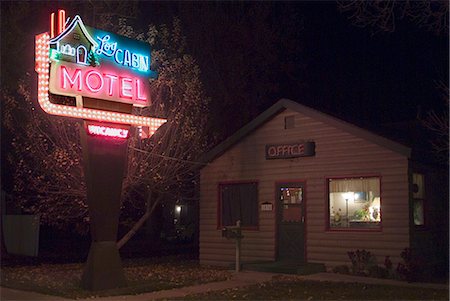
75, 22
284, 104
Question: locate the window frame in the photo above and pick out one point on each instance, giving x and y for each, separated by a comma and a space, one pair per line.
220, 225
328, 228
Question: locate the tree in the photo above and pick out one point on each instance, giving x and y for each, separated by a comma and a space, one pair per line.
46, 160
384, 15
430, 15
250, 56
437, 123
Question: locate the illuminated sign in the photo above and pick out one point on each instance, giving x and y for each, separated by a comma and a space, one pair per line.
96, 82
80, 61
290, 150
122, 56
107, 131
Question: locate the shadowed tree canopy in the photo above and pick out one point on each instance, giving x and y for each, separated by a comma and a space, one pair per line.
45, 159
249, 53
432, 16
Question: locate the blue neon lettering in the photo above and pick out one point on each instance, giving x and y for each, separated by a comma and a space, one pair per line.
127, 58
134, 60
105, 47
122, 56
116, 56
143, 63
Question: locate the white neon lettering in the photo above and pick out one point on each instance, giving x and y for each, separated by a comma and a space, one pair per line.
127, 58
116, 56
105, 47
97, 78
134, 60
111, 78
143, 63
122, 56
126, 87
72, 80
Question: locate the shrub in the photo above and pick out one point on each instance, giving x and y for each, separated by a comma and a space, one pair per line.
341, 269
361, 260
409, 269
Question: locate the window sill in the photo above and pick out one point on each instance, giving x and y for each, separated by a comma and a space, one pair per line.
246, 228
358, 226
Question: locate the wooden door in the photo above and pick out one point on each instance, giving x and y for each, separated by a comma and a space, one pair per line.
291, 221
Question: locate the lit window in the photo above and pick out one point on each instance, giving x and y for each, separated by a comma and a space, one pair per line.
354, 203
239, 202
418, 199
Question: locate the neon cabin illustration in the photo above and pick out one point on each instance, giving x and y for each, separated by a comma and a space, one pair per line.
74, 44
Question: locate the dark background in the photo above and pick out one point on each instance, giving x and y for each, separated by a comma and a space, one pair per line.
253, 53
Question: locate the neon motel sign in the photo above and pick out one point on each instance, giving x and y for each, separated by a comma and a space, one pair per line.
80, 61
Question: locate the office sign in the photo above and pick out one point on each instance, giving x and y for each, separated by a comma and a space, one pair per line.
290, 150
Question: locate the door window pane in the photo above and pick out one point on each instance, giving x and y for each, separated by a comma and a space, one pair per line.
291, 199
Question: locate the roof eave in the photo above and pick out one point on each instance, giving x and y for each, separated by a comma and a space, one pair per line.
283, 104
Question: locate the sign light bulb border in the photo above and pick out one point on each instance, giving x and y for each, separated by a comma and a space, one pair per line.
42, 68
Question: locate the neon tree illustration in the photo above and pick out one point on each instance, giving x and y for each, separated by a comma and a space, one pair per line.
79, 61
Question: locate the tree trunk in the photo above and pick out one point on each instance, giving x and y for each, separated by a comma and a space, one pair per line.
139, 223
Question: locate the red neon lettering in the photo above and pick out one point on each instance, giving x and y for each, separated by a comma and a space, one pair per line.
107, 131
140, 95
272, 151
98, 79
90, 81
111, 78
126, 87
76, 78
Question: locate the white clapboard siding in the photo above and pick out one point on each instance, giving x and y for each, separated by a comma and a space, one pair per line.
338, 154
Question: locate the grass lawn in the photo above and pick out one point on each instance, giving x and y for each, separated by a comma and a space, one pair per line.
143, 275
293, 288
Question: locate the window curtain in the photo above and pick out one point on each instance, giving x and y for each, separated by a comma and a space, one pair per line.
418, 179
355, 185
239, 202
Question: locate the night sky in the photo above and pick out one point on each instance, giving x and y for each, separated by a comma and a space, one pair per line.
305, 51
363, 76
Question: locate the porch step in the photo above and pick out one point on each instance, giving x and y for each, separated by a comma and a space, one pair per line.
285, 267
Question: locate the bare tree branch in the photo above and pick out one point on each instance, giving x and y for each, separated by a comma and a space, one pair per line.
383, 15
46, 155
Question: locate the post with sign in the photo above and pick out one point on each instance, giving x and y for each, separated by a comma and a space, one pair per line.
107, 74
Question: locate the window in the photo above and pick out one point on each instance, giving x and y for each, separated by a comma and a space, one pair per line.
418, 199
239, 202
354, 203
289, 122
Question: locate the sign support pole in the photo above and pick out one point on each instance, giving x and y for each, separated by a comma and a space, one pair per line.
104, 167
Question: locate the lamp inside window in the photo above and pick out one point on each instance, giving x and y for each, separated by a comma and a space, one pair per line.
354, 203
